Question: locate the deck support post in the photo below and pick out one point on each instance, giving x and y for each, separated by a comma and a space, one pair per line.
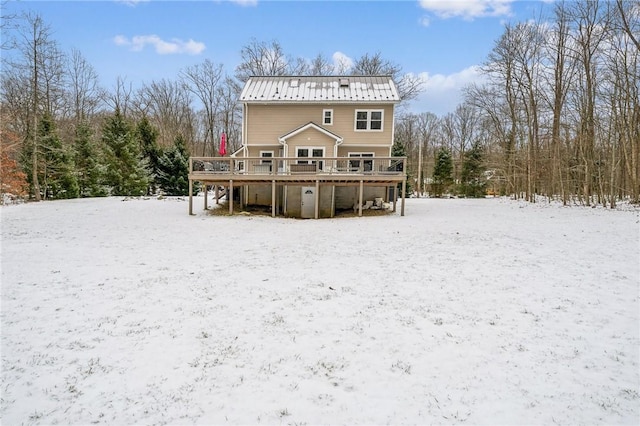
404, 190
333, 200
230, 197
317, 215
395, 197
217, 191
206, 198
361, 197
190, 197
273, 198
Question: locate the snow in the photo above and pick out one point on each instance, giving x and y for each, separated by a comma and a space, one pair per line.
479, 311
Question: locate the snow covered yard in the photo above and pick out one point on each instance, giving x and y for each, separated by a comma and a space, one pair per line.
477, 311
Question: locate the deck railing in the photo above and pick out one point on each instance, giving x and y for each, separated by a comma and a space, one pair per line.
280, 166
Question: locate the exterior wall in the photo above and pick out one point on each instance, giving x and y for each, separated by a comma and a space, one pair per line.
259, 195
294, 201
254, 151
347, 196
266, 123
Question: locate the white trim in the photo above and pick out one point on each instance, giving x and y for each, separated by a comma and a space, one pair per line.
283, 139
369, 112
368, 146
324, 112
393, 131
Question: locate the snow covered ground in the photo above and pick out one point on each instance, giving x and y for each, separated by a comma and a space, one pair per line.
477, 311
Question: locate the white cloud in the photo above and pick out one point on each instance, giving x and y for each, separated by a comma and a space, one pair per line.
442, 93
162, 47
467, 9
341, 62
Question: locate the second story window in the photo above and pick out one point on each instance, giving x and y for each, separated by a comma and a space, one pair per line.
327, 117
369, 120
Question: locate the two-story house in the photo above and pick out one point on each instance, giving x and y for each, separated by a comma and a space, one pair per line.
314, 145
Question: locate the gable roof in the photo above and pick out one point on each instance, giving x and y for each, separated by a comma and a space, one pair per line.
320, 89
310, 125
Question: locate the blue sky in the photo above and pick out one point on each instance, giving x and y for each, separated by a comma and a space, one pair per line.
441, 41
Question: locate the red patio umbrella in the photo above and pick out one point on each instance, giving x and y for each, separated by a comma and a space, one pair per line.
223, 144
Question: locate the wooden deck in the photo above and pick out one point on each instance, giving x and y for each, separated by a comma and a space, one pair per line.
318, 171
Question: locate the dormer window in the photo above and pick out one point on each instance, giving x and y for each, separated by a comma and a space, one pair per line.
327, 117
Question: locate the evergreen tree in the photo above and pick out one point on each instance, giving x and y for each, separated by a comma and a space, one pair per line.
398, 150
173, 169
442, 172
472, 176
88, 170
57, 173
125, 172
151, 151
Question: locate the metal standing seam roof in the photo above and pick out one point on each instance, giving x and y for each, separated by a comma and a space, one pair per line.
342, 89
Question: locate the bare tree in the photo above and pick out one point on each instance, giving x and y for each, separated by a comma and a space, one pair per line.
321, 65
260, 58
84, 92
556, 53
167, 105
426, 132
623, 96
629, 18
527, 57
591, 27
231, 113
204, 81
409, 85
8, 23
35, 70
120, 97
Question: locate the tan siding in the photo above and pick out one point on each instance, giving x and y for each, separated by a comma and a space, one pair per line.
311, 138
266, 123
254, 151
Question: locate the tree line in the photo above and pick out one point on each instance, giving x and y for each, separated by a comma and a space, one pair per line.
557, 114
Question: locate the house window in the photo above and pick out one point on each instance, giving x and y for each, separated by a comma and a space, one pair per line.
304, 152
266, 154
266, 165
327, 117
369, 120
356, 166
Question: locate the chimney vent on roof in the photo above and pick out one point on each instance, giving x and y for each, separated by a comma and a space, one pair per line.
294, 82
344, 82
